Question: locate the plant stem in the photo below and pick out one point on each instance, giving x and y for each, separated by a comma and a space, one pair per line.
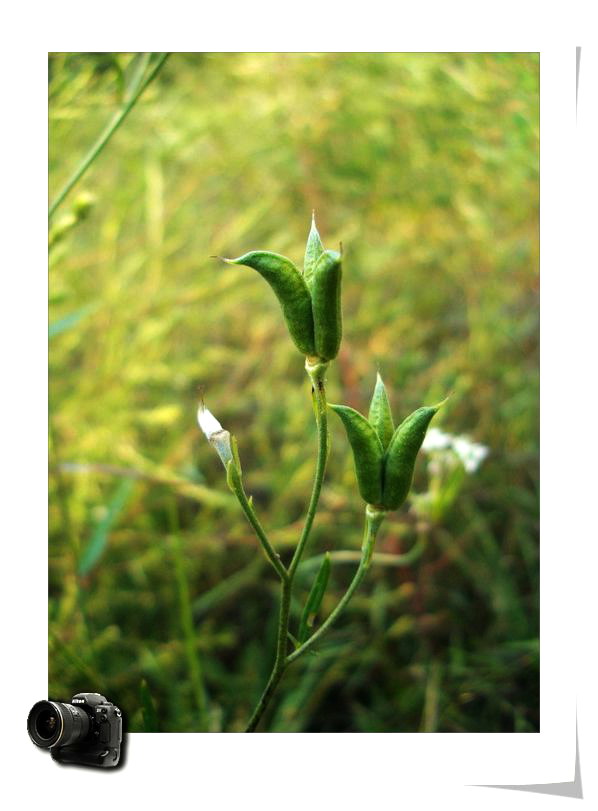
373, 520
138, 85
272, 555
280, 660
316, 372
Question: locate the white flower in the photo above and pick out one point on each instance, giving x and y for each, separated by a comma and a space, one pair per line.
207, 421
471, 454
437, 440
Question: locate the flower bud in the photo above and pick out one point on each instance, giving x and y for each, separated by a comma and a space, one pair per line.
217, 436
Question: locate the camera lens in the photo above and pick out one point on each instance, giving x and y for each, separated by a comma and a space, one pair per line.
46, 723
52, 723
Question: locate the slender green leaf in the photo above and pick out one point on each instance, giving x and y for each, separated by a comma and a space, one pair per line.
314, 600
99, 537
68, 321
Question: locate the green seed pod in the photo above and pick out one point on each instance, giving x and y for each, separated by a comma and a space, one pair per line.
326, 304
367, 453
289, 286
313, 250
314, 600
401, 454
380, 415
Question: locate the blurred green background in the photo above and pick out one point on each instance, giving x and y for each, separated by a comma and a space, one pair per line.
426, 167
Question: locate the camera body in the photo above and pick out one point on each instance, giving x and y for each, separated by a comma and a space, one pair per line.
88, 730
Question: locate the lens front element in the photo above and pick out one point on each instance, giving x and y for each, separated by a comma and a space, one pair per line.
52, 723
46, 724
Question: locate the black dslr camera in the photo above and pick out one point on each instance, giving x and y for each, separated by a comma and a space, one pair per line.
87, 731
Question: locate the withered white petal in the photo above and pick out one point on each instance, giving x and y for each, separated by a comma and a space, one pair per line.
207, 422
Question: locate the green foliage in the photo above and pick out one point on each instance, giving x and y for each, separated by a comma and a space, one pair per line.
99, 538
427, 166
150, 716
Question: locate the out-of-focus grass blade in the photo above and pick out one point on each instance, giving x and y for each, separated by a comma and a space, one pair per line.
314, 600
148, 709
69, 321
293, 639
226, 589
99, 538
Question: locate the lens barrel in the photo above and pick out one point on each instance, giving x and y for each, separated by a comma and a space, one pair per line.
52, 723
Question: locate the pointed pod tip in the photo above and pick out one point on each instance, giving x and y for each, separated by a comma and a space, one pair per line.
439, 405
341, 410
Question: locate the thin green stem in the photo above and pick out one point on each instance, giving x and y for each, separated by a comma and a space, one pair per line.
316, 373
373, 520
280, 660
272, 555
273, 681
138, 86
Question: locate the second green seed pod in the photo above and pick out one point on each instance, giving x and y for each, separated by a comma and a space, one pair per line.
399, 463
367, 453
